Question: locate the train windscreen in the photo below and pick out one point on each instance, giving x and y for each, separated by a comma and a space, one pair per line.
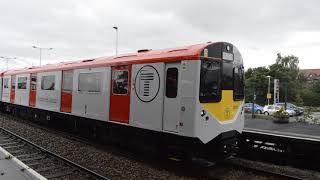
210, 76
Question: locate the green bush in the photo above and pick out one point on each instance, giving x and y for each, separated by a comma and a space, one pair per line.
310, 98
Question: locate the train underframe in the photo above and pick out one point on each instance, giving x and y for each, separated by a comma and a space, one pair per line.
153, 143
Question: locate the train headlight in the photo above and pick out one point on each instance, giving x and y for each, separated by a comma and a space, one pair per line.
203, 113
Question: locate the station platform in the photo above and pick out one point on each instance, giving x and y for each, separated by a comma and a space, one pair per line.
13, 169
293, 129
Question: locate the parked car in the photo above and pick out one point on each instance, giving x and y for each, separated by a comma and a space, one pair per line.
257, 108
270, 109
297, 109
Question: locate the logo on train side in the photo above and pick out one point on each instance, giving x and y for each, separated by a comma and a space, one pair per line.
147, 83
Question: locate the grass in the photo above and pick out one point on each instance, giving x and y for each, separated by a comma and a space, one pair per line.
312, 109
8, 157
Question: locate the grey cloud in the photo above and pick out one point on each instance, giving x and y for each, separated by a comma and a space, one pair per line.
81, 29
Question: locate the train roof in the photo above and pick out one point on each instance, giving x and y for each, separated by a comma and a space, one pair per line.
142, 56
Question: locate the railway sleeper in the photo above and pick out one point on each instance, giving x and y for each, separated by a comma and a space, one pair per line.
59, 174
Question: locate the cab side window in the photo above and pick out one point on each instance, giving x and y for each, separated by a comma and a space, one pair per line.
238, 83
172, 82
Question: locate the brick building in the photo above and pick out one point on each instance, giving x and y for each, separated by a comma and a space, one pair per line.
311, 74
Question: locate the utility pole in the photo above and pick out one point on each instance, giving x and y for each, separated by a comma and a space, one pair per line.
253, 98
40, 51
285, 95
269, 94
116, 28
7, 60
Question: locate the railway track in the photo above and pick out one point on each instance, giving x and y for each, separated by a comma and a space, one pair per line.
211, 173
46, 163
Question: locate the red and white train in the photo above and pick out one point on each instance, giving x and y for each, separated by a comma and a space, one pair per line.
188, 98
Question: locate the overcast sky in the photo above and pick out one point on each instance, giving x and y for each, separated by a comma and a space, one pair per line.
78, 29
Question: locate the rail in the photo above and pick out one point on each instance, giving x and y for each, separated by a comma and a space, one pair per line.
43, 161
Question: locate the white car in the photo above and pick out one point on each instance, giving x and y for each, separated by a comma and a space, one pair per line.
270, 109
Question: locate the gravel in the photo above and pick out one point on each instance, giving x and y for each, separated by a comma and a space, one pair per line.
106, 163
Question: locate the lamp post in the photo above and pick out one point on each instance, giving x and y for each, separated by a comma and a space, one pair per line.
116, 28
268, 90
40, 51
7, 60
253, 98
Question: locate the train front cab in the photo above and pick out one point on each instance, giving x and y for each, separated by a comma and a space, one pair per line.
220, 116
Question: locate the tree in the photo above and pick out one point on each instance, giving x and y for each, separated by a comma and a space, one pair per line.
311, 95
290, 61
286, 69
257, 77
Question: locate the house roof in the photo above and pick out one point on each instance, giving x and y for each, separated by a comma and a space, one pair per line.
311, 72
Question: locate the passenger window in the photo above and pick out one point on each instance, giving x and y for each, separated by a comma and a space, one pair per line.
172, 83
22, 82
120, 82
48, 82
90, 82
270, 107
67, 80
6, 83
33, 82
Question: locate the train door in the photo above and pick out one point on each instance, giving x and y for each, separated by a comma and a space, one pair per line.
66, 91
91, 93
146, 101
120, 94
171, 115
33, 90
6, 89
13, 89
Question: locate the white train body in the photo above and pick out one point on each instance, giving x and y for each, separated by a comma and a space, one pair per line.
163, 91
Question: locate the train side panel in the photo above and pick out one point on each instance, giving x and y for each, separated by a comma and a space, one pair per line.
146, 103
6, 86
91, 93
49, 91
22, 89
